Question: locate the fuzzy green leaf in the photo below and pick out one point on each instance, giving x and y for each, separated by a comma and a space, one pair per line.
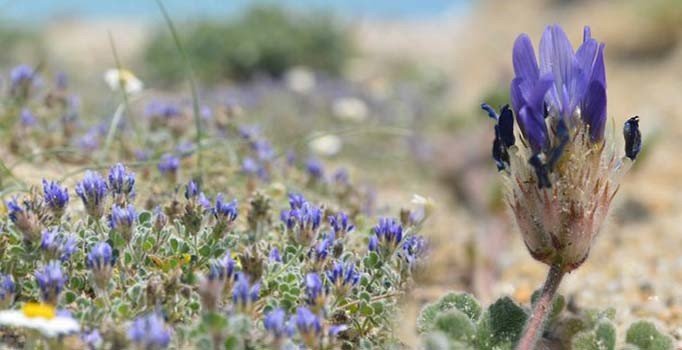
601, 338
455, 324
507, 319
645, 335
463, 302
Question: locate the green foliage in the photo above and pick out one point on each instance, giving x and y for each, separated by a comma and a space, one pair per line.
16, 42
445, 325
603, 337
265, 40
462, 302
645, 335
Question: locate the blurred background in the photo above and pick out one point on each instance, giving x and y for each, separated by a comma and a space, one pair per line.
392, 90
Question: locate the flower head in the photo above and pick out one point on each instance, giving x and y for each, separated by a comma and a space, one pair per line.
303, 221
276, 324
57, 245
93, 191
413, 249
7, 291
388, 234
121, 183
309, 326
41, 317
25, 216
92, 339
168, 165
343, 276
27, 117
224, 212
341, 224
51, 282
123, 219
100, 261
123, 79
315, 291
244, 294
315, 169
561, 176
55, 197
275, 255
223, 268
22, 79
149, 332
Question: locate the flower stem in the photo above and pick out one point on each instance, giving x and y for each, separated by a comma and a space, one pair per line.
536, 323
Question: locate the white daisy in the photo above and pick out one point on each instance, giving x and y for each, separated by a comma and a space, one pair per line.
350, 108
117, 78
300, 79
40, 317
326, 145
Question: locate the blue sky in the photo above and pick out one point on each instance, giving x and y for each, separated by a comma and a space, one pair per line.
22, 11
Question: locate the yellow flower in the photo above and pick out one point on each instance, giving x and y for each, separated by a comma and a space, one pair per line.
33, 309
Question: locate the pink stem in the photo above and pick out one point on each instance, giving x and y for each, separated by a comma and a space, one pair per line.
535, 326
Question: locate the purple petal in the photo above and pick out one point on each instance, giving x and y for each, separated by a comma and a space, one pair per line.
535, 128
557, 57
586, 57
593, 111
523, 57
599, 70
537, 95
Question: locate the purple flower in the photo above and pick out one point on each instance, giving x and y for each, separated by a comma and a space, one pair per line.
149, 332
92, 339
275, 323
308, 325
25, 217
341, 177
100, 256
314, 290
314, 168
223, 268
156, 109
7, 290
27, 118
340, 224
93, 191
191, 190
275, 255
169, 164
322, 249
414, 248
121, 181
185, 149
296, 200
565, 84
51, 282
225, 212
122, 220
243, 293
90, 140
55, 197
249, 132
22, 78
389, 233
303, 222
343, 276
57, 245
